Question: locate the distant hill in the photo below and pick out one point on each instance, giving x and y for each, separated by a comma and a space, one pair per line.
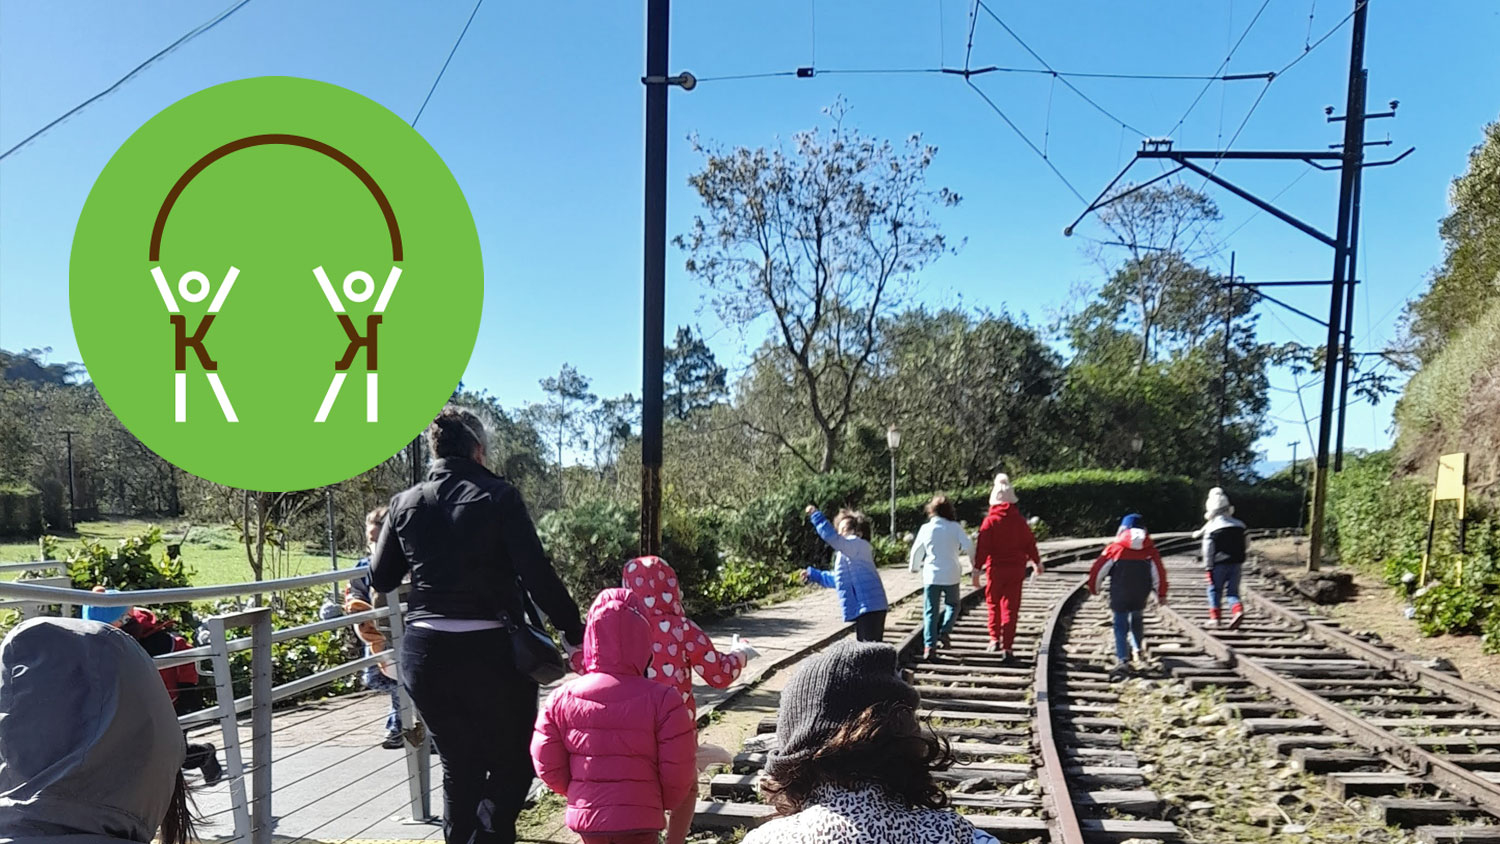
1267, 468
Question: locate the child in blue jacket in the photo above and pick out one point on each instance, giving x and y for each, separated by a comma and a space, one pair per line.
861, 594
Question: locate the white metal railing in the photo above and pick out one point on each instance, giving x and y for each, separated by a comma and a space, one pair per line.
250, 807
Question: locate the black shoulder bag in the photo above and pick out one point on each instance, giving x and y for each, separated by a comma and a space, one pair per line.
534, 653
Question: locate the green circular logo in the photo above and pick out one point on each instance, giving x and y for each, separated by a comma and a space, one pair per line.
276, 283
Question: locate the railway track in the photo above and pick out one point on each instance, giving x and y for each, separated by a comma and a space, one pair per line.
1420, 747
1062, 777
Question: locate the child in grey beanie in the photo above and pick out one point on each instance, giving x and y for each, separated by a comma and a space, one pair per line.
853, 763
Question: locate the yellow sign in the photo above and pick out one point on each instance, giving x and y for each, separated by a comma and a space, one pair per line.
1452, 485
1452, 469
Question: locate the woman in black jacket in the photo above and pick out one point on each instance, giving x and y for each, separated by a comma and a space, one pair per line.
471, 548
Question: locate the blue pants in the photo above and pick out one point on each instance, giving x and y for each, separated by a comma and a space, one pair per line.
1225, 585
1130, 629
378, 682
935, 623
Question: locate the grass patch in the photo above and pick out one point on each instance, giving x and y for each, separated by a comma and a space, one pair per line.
212, 552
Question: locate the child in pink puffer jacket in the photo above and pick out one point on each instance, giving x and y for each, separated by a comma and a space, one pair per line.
620, 747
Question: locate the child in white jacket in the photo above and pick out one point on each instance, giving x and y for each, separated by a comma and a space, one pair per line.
936, 552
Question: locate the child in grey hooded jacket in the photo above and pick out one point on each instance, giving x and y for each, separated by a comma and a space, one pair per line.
91, 750
1223, 557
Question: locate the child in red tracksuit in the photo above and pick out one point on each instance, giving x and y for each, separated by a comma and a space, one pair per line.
1135, 571
1004, 549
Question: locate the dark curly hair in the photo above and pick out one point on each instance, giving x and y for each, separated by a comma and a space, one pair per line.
455, 433
885, 745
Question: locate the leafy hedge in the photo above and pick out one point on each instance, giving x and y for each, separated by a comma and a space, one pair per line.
590, 541
20, 511
774, 529
1091, 502
1378, 522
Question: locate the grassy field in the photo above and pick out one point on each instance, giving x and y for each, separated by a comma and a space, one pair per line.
212, 553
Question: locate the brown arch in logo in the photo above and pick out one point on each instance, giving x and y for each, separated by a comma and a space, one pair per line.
290, 140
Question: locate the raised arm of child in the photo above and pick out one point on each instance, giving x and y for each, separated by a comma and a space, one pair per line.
827, 533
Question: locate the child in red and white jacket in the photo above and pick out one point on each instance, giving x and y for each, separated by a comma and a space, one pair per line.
1135, 571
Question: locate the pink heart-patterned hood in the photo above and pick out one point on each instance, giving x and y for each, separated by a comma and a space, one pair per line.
655, 583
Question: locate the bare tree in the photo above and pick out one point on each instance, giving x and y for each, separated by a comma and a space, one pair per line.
824, 240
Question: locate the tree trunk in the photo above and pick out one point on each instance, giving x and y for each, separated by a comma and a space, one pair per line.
830, 444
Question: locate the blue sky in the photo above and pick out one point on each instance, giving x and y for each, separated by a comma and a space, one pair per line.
539, 117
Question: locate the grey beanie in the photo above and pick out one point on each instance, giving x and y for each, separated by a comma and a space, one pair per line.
830, 690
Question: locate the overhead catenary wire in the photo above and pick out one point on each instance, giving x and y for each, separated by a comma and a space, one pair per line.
444, 68
131, 74
1217, 74
1306, 51
813, 71
1029, 142
1055, 75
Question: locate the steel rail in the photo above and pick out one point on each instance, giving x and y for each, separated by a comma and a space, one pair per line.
1051, 775
1455, 779
1397, 663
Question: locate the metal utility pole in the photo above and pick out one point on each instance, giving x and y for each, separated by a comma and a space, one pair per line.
1353, 159
658, 29
72, 503
1338, 464
1350, 163
1224, 369
333, 552
653, 339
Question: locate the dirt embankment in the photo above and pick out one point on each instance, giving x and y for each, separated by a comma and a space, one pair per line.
1379, 609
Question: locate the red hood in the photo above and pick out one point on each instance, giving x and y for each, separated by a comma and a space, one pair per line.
618, 637
1003, 509
655, 583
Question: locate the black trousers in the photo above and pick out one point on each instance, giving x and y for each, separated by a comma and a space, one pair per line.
870, 627
479, 711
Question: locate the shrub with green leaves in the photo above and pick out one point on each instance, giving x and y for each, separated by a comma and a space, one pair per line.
20, 510
588, 543
774, 529
129, 566
736, 583
1378, 522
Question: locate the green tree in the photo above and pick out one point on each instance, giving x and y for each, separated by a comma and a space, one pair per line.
970, 393
694, 379
1468, 280
822, 241
1149, 357
564, 413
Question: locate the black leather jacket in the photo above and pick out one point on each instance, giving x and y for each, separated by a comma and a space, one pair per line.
465, 537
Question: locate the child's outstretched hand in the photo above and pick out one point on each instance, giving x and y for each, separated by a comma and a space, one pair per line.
810, 510
802, 576
741, 648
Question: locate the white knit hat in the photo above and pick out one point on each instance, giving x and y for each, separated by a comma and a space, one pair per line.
1217, 504
1002, 493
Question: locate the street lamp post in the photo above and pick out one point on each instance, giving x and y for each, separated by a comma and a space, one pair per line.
893, 439
1136, 444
